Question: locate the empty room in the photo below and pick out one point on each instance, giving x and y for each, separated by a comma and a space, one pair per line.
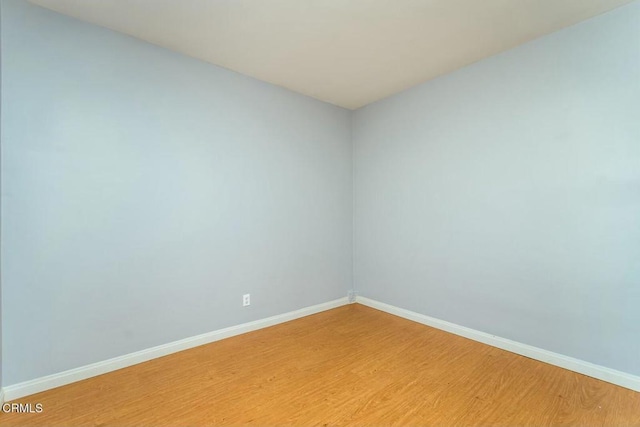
320, 212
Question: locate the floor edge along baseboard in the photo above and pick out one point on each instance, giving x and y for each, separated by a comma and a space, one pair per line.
48, 382
609, 375
38, 385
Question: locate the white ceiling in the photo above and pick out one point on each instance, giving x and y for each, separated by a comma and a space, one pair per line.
346, 52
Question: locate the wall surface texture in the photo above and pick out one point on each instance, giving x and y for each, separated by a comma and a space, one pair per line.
505, 196
143, 192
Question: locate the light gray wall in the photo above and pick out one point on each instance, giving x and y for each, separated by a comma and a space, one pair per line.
143, 192
506, 196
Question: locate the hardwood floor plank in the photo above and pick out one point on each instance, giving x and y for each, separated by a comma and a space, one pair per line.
349, 366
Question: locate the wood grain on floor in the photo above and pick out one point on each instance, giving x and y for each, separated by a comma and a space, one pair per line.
349, 366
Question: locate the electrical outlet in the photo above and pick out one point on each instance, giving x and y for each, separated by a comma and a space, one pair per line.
246, 300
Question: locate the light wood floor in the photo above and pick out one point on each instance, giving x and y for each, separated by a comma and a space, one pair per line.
350, 366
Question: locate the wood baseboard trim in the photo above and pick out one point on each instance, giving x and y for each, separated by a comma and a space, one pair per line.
609, 375
48, 382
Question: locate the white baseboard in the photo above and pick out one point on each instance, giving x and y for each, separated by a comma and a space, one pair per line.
1, 396
37, 385
613, 376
